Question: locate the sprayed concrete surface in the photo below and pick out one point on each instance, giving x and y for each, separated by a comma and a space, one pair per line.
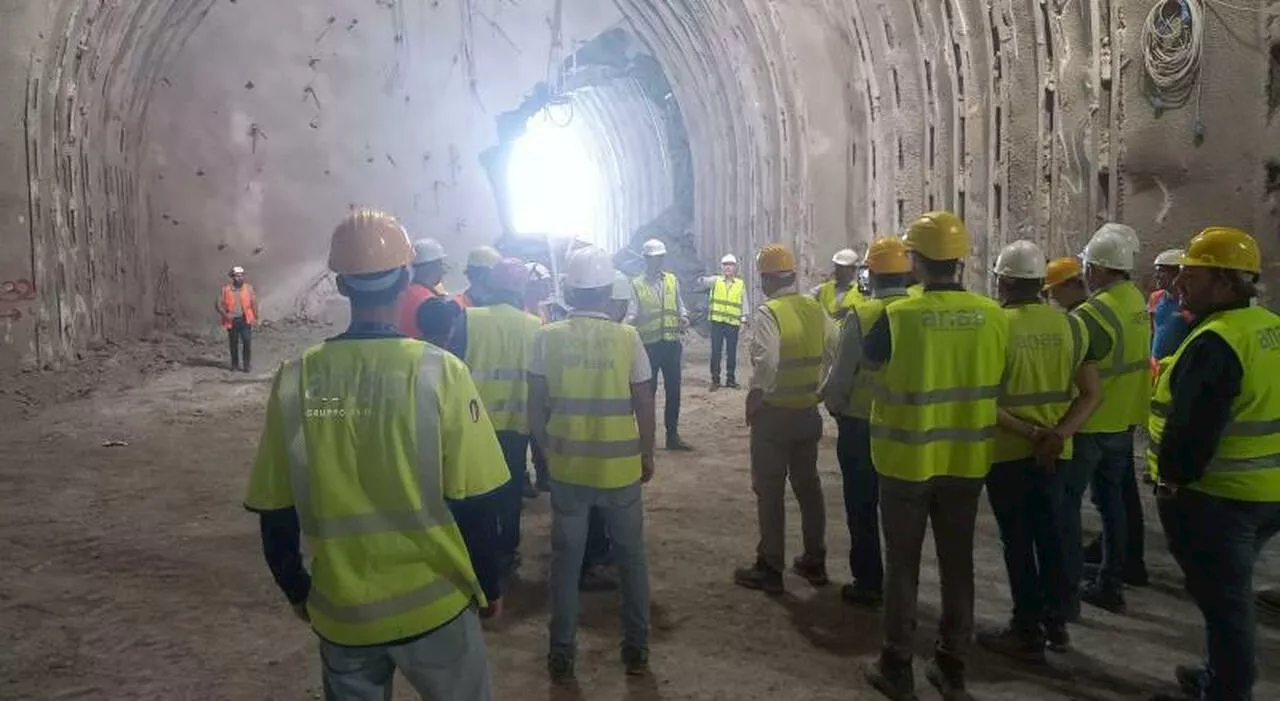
132, 572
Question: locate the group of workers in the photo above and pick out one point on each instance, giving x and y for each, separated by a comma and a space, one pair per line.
402, 462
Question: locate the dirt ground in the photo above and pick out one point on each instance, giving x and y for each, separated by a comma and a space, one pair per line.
131, 572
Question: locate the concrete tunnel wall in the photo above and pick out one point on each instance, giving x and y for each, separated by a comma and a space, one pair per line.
146, 146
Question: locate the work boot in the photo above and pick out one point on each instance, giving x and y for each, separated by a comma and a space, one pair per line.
1110, 598
946, 674
560, 667
813, 568
1192, 679
636, 660
1057, 637
1134, 576
732, 384
675, 442
1010, 641
715, 384
866, 598
760, 577
893, 678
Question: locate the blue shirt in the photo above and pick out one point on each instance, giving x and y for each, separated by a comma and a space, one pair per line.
1169, 326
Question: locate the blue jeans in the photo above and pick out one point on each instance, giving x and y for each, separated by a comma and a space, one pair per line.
1108, 460
623, 512
1216, 543
1028, 506
861, 503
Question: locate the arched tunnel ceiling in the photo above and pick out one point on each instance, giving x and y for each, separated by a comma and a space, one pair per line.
160, 141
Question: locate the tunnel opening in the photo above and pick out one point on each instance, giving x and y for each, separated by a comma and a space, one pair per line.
554, 185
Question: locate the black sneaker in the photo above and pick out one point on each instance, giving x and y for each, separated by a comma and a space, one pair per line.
813, 568
1191, 679
948, 682
867, 598
636, 660
1109, 598
1057, 637
895, 679
1011, 642
675, 442
560, 667
760, 577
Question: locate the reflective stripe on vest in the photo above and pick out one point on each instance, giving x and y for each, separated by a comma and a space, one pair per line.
1246, 463
801, 339
353, 600
1046, 346
935, 411
1121, 310
657, 316
592, 437
499, 341
867, 382
726, 301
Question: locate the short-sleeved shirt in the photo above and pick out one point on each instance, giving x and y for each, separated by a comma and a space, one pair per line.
640, 370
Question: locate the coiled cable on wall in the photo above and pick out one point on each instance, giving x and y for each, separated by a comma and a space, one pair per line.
1173, 49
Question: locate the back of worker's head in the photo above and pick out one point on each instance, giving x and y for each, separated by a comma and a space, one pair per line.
589, 277
777, 267
1020, 272
889, 263
620, 295
939, 242
507, 282
436, 317
1109, 255
1064, 282
370, 252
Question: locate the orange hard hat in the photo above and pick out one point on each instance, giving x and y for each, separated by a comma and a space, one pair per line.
1060, 270
369, 241
888, 256
775, 258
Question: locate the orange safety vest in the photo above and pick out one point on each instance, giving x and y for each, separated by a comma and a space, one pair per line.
229, 304
413, 298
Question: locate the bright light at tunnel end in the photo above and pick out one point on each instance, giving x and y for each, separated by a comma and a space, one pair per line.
553, 183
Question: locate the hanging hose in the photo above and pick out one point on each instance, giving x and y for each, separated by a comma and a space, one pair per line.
1173, 48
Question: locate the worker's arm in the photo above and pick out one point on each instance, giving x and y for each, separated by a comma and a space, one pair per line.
538, 406
633, 307
764, 350
1205, 381
877, 345
838, 387
643, 406
458, 336
253, 302
1088, 383
706, 282
282, 548
680, 308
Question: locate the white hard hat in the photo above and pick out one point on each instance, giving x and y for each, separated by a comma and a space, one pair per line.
484, 257
236, 270
654, 247
427, 251
537, 271
589, 268
1112, 247
845, 257
729, 259
1171, 257
621, 287
1021, 259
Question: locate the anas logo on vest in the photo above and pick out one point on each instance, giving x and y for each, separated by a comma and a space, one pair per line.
1036, 341
957, 319
1269, 338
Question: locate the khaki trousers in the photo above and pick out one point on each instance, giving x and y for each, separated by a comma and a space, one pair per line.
784, 444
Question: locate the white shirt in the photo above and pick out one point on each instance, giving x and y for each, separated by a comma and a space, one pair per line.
660, 291
709, 282
766, 345
640, 370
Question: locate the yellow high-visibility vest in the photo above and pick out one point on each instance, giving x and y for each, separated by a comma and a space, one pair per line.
726, 301
499, 340
1121, 310
867, 380
801, 338
1246, 464
935, 413
592, 436
657, 318
1046, 347
830, 304
355, 442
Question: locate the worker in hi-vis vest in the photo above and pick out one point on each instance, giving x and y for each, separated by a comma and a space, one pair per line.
1064, 283
238, 309
429, 263
379, 450
793, 344
1050, 389
1120, 338
839, 294
1215, 453
495, 338
658, 313
933, 428
726, 312
847, 394
591, 409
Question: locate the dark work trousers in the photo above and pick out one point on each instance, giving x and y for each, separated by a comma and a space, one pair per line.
1076, 476
950, 505
861, 503
1109, 459
598, 546
1216, 541
1028, 504
723, 335
541, 478
240, 336
666, 357
514, 448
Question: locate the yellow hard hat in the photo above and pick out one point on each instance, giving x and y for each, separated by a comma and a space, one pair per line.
938, 236
775, 258
369, 241
1223, 247
1060, 270
888, 256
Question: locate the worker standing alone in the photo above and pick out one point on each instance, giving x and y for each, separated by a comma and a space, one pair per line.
726, 310
848, 393
933, 425
794, 341
659, 315
495, 341
839, 294
238, 308
378, 449
1049, 392
591, 409
1215, 453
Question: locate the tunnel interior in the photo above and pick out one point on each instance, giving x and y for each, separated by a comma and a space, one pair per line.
148, 146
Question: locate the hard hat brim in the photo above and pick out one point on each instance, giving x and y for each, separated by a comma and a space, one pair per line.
1189, 262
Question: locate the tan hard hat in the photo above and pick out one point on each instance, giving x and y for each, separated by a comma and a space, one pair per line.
369, 241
